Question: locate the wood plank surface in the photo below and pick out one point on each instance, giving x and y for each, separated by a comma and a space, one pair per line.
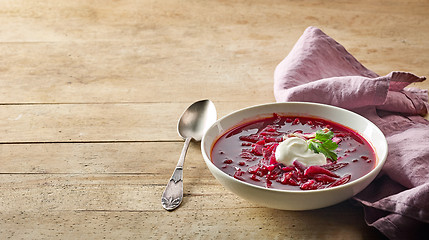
243, 223
130, 51
91, 92
97, 122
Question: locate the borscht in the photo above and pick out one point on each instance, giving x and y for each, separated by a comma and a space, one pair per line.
293, 153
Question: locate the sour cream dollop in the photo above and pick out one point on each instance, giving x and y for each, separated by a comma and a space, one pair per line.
295, 148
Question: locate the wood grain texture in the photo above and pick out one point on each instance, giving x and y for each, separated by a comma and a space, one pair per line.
91, 91
130, 51
96, 122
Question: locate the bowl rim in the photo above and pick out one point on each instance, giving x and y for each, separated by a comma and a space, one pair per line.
375, 170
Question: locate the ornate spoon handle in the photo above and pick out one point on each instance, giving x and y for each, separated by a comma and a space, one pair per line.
173, 193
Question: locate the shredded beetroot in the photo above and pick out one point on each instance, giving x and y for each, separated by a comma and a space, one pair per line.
288, 168
251, 138
334, 166
309, 185
313, 170
324, 178
299, 166
238, 174
341, 181
257, 149
296, 121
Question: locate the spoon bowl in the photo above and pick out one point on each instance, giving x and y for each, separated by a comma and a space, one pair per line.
193, 123
196, 120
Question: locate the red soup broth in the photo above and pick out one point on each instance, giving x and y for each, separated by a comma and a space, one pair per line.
247, 152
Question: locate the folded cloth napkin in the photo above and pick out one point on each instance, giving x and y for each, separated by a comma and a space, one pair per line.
318, 69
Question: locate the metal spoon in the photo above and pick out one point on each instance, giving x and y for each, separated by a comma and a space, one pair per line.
192, 125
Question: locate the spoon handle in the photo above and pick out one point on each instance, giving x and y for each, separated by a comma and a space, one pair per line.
173, 193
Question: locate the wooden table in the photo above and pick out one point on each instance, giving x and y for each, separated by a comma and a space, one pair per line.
91, 91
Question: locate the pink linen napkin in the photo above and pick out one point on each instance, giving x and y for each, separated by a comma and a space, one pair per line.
318, 69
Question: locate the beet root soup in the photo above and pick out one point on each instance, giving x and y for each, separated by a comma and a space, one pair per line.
293, 153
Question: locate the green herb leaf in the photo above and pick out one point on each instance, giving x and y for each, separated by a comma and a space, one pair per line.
322, 136
323, 143
330, 145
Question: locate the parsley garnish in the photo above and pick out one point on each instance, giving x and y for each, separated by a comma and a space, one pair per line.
323, 143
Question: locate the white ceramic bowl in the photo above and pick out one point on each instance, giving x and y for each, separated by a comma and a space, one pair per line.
296, 200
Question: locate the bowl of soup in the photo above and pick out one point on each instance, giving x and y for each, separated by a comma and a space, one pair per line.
295, 155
